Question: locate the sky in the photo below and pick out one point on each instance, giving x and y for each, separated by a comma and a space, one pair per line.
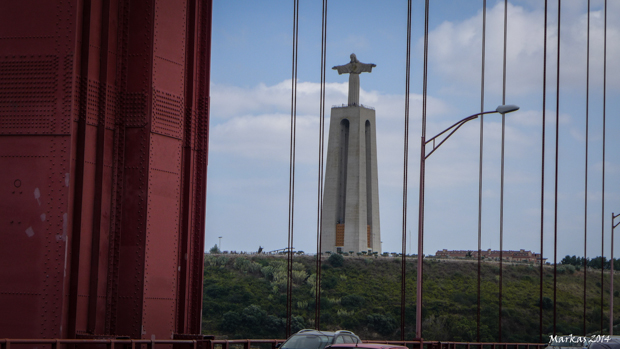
250, 111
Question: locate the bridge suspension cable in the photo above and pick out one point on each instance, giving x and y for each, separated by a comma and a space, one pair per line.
603, 174
542, 175
319, 214
291, 193
585, 201
555, 207
501, 205
405, 172
482, 71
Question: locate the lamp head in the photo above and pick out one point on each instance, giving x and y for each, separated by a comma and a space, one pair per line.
507, 108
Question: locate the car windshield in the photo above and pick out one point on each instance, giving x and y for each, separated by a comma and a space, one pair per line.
306, 341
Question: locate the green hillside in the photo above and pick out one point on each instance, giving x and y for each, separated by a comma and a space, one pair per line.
245, 297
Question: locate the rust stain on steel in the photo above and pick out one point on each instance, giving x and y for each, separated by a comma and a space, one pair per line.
103, 144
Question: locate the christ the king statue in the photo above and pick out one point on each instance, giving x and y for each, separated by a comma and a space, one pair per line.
354, 69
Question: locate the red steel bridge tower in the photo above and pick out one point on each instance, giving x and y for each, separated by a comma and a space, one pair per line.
104, 119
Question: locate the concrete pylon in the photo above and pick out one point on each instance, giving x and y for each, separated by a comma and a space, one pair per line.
351, 194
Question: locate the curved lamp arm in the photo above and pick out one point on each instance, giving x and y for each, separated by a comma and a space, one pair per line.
502, 109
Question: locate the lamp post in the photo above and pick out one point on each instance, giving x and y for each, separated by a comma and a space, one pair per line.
436, 143
219, 245
611, 285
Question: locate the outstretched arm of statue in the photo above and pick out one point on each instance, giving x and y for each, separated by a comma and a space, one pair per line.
354, 68
343, 69
364, 67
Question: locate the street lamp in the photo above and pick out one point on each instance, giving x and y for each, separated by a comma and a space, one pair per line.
219, 245
611, 285
437, 141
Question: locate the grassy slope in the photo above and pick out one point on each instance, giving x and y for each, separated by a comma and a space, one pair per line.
245, 297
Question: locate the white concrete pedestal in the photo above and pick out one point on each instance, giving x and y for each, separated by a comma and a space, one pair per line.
351, 193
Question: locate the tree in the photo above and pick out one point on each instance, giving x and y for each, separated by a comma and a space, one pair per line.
598, 263
336, 260
215, 250
352, 301
254, 322
567, 260
547, 303
381, 323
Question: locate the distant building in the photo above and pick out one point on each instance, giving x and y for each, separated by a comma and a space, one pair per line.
512, 256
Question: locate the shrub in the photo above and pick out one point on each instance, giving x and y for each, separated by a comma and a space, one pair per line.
302, 304
333, 301
352, 301
297, 266
242, 264
547, 303
267, 272
221, 261
311, 280
254, 322
336, 260
342, 312
254, 267
299, 276
383, 324
210, 261
297, 323
215, 291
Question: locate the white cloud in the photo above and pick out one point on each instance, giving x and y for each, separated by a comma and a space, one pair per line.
255, 122
455, 49
230, 101
262, 137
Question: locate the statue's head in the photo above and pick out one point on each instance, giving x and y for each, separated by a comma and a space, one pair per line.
353, 58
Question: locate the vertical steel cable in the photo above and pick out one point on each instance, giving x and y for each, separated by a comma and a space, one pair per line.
542, 177
291, 193
555, 210
611, 281
603, 179
483, 55
501, 205
405, 174
319, 223
422, 169
585, 213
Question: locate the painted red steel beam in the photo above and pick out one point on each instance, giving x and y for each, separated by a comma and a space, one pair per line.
79, 163
103, 144
102, 194
194, 165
